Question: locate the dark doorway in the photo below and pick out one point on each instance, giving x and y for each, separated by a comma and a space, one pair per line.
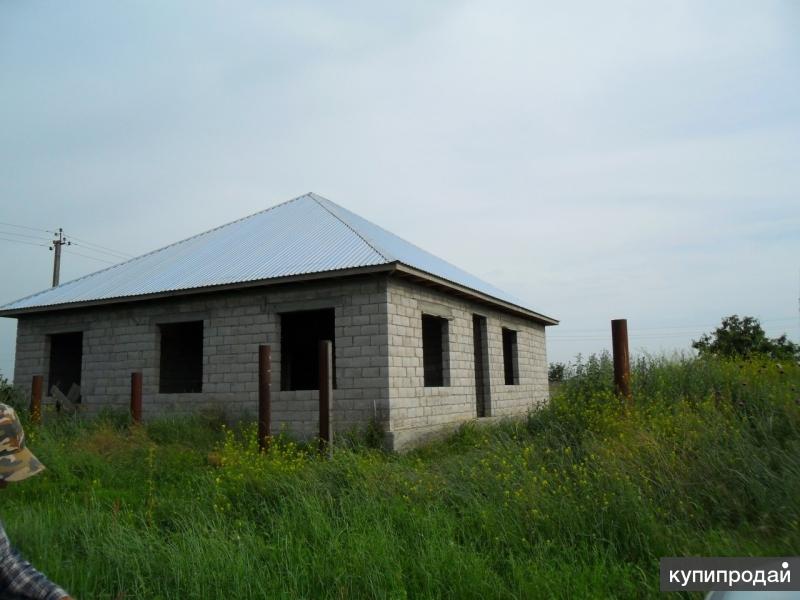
301, 333
181, 366
66, 356
481, 365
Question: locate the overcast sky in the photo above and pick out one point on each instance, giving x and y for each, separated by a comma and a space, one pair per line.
597, 159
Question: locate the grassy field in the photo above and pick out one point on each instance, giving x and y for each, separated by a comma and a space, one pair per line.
579, 500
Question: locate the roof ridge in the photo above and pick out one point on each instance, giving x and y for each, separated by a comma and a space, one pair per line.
343, 218
383, 229
316, 198
192, 237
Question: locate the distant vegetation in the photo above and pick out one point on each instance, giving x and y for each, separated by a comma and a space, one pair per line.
745, 338
556, 372
11, 395
579, 500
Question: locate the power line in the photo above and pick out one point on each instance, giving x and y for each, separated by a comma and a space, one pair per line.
85, 243
674, 335
687, 329
602, 337
22, 242
25, 235
105, 252
120, 257
88, 245
58, 244
29, 228
92, 257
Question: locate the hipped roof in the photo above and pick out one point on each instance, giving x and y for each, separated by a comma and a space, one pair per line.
306, 236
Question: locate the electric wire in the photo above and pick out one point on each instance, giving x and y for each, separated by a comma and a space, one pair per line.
89, 246
25, 235
29, 228
23, 242
581, 335
92, 257
98, 248
587, 335
103, 253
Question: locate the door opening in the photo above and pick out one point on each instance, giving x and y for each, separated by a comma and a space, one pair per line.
66, 356
482, 393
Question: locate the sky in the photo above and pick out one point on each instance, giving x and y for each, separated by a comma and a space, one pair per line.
598, 160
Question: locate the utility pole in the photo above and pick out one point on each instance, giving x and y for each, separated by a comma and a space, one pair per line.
57, 243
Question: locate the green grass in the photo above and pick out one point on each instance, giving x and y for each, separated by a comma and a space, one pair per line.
579, 500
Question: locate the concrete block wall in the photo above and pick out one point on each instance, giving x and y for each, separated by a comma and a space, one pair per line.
119, 339
418, 411
379, 370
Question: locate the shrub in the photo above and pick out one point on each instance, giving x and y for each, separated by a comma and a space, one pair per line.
12, 396
556, 371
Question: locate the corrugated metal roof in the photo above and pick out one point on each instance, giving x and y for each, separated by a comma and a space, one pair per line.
308, 234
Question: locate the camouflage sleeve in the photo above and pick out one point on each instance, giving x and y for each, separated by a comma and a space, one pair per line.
19, 580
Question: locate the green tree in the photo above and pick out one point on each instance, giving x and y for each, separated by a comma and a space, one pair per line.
743, 337
11, 395
556, 372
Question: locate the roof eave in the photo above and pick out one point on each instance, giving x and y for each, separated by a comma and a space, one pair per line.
394, 267
318, 276
475, 294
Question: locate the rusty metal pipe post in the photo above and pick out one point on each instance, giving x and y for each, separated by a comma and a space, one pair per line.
264, 396
36, 398
136, 397
622, 363
325, 395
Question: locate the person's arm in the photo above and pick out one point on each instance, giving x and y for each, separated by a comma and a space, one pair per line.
19, 579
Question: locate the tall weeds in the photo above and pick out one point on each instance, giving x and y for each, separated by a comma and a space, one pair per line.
579, 499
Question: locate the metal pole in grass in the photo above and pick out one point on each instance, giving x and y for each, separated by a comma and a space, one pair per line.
36, 399
136, 397
622, 364
264, 395
325, 395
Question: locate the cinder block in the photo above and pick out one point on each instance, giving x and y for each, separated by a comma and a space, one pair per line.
379, 354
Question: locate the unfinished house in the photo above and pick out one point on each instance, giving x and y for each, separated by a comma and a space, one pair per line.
418, 344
